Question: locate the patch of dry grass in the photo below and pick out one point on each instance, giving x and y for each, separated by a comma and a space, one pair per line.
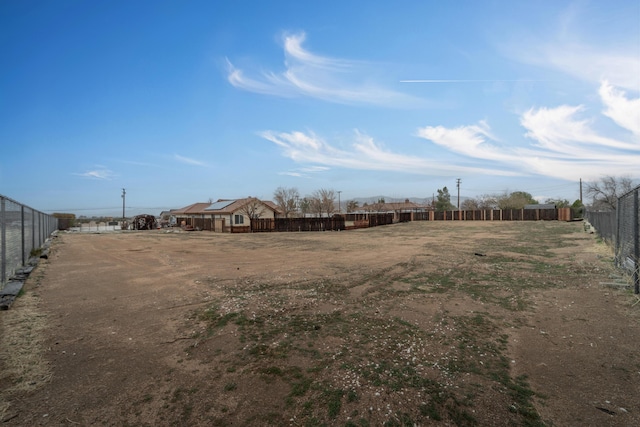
24, 367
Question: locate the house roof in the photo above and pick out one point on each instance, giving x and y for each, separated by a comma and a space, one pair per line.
192, 209
221, 207
541, 206
220, 204
235, 205
273, 206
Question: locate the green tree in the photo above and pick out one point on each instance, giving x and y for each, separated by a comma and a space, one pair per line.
304, 206
352, 206
516, 200
443, 202
578, 208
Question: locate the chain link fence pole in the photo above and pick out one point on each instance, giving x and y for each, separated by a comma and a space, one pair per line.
22, 229
636, 237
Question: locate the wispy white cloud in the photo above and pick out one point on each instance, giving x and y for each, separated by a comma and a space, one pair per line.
294, 174
560, 130
188, 160
570, 50
471, 141
99, 173
564, 145
305, 172
624, 112
320, 77
588, 63
363, 153
315, 169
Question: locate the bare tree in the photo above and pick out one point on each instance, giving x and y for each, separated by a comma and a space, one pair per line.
470, 205
253, 208
605, 192
487, 201
286, 199
324, 202
315, 205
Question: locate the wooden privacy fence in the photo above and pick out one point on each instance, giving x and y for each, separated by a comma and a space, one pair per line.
364, 220
561, 214
333, 223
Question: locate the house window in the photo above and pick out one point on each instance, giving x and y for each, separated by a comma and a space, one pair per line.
239, 219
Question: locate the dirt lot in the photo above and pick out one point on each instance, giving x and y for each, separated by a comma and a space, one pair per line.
444, 323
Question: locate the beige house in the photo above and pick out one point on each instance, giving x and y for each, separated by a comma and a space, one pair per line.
225, 215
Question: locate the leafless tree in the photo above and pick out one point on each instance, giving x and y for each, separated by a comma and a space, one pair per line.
487, 201
253, 208
323, 202
470, 205
605, 192
286, 199
315, 205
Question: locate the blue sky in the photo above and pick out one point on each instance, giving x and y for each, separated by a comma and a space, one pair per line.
179, 102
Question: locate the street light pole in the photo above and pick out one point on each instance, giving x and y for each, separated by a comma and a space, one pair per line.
123, 194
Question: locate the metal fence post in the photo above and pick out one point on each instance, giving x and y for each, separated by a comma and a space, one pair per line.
22, 232
3, 243
33, 230
636, 244
16, 222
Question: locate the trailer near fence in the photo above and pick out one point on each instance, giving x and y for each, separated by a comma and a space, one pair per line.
144, 222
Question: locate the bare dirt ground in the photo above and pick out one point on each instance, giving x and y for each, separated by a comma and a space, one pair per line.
425, 323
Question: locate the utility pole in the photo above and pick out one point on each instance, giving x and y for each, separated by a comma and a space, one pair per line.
339, 207
123, 193
580, 190
458, 185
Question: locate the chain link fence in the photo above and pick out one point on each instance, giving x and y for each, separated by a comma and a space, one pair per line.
620, 229
22, 229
